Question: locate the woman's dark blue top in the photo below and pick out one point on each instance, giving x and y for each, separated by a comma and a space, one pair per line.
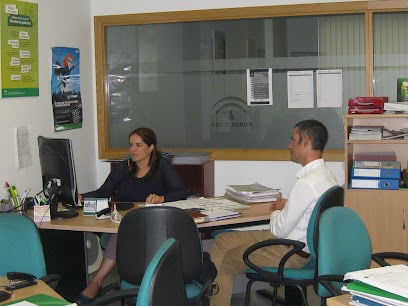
127, 188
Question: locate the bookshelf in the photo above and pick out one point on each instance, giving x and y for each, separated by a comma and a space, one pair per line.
385, 212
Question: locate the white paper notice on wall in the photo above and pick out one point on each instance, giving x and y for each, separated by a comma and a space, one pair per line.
24, 156
300, 89
329, 88
259, 87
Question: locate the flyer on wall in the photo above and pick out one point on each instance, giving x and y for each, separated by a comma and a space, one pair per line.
65, 89
19, 49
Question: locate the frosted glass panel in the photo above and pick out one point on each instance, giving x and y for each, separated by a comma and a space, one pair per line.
187, 80
390, 52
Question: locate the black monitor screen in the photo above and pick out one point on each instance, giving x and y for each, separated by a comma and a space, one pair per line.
57, 162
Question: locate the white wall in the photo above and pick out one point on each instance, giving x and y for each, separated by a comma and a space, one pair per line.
270, 173
61, 23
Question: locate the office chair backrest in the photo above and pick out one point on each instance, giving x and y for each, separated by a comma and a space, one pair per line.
163, 282
334, 196
344, 244
142, 231
20, 246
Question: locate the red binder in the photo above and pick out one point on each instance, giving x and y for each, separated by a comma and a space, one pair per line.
367, 105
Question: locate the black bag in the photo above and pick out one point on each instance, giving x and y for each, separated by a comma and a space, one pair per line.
208, 270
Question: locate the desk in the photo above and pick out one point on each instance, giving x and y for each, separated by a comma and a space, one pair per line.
65, 250
256, 213
341, 300
22, 293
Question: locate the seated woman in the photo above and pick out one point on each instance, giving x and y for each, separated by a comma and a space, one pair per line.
145, 177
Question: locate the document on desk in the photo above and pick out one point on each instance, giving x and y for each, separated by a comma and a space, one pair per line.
214, 209
217, 214
204, 204
393, 279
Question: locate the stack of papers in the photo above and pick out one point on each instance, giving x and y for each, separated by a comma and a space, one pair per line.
366, 132
211, 209
253, 193
190, 158
396, 107
379, 286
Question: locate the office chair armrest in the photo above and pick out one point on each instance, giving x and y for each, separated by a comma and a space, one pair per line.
119, 295
381, 258
293, 247
51, 280
327, 282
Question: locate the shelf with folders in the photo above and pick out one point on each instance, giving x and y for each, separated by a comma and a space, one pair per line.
385, 212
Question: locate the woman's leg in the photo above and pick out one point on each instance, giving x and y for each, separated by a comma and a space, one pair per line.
107, 264
92, 289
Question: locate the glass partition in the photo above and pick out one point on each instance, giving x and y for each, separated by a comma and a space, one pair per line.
188, 80
390, 52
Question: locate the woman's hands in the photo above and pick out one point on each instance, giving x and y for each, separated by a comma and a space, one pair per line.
154, 199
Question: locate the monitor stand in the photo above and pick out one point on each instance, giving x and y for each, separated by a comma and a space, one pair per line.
64, 214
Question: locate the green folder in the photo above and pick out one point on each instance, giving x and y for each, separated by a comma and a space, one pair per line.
43, 300
358, 286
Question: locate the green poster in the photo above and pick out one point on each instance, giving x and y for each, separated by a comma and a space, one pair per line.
19, 49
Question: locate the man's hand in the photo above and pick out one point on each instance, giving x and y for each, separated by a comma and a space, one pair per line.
279, 204
154, 199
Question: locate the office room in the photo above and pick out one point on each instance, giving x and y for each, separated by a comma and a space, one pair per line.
71, 24
35, 113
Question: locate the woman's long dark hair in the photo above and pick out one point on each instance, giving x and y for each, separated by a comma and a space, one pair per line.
149, 137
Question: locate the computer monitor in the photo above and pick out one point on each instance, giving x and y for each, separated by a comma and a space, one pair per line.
58, 175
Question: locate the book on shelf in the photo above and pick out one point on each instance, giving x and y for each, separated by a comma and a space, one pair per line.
371, 136
376, 156
366, 132
394, 134
366, 128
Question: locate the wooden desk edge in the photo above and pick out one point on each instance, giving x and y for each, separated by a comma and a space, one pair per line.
340, 300
23, 293
256, 213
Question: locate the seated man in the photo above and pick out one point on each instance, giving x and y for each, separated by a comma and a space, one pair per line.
289, 218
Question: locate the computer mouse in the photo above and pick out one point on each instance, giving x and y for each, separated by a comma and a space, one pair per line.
4, 295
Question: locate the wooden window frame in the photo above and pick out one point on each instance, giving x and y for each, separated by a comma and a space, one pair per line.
368, 8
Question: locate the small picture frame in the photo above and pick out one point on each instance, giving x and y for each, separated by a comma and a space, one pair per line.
92, 205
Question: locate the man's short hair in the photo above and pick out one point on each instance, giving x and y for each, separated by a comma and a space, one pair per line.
315, 130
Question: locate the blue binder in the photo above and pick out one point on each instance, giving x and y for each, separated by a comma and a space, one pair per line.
391, 173
372, 183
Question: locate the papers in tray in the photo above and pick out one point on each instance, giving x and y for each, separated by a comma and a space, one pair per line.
253, 193
385, 285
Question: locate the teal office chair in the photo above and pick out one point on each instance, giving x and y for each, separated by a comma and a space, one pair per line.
344, 246
21, 248
299, 278
163, 282
141, 232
